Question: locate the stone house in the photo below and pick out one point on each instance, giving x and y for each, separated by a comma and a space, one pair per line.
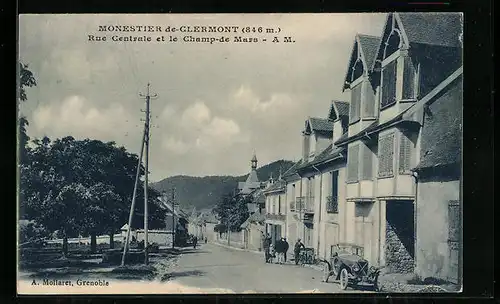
386, 77
438, 176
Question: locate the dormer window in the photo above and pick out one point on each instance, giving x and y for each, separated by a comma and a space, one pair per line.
356, 86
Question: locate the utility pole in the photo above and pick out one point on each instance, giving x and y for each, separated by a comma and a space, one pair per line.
173, 218
146, 165
132, 207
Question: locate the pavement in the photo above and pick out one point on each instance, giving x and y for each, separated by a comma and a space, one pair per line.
215, 267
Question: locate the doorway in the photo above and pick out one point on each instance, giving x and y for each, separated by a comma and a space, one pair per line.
364, 228
400, 236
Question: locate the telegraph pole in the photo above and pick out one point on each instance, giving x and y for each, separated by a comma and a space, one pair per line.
146, 165
173, 218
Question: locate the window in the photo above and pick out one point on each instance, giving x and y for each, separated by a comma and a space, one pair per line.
279, 204
353, 160
332, 200
366, 173
369, 101
386, 155
409, 79
388, 84
355, 103
405, 153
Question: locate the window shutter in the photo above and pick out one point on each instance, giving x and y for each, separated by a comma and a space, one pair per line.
409, 75
355, 102
367, 164
405, 154
389, 84
369, 101
454, 221
353, 159
335, 183
386, 155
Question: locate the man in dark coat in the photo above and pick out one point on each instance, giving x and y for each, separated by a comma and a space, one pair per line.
296, 250
285, 248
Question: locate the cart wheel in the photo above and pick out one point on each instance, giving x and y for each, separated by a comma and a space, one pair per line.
326, 272
344, 279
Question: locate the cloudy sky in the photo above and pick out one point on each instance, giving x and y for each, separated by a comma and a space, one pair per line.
216, 103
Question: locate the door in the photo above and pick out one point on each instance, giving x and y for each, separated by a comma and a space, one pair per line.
364, 229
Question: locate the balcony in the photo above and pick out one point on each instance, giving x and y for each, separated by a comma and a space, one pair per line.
275, 217
332, 204
305, 204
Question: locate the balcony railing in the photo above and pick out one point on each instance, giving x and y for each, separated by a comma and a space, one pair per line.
305, 204
276, 217
332, 204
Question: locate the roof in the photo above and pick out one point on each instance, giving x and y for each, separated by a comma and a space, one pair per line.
252, 182
321, 124
278, 185
442, 29
292, 170
435, 29
342, 107
255, 217
330, 153
368, 48
441, 135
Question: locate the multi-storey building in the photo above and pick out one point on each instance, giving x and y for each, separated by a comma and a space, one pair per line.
414, 55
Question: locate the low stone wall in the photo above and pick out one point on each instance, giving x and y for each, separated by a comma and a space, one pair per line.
397, 257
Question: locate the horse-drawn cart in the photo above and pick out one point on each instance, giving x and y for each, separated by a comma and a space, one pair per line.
349, 268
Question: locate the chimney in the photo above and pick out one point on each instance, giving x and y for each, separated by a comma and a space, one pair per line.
306, 135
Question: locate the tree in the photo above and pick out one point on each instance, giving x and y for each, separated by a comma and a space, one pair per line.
232, 211
26, 79
82, 186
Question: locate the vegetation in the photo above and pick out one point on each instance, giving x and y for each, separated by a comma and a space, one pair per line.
232, 211
205, 192
80, 187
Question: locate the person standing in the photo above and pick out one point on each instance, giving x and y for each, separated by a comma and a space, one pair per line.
286, 246
195, 241
296, 250
266, 244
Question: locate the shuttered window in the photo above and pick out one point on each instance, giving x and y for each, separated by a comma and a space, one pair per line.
367, 172
454, 221
369, 101
355, 102
409, 76
353, 160
389, 84
405, 153
386, 156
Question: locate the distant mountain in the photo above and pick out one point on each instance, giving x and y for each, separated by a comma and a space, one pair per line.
204, 192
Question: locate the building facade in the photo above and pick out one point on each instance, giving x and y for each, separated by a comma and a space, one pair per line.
414, 55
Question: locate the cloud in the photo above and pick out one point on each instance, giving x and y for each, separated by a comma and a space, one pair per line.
216, 103
78, 117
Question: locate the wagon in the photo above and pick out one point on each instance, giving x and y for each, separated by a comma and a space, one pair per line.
347, 266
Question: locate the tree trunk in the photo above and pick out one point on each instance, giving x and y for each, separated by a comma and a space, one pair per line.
93, 242
111, 241
65, 246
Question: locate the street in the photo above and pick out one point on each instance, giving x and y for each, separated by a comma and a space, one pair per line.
215, 267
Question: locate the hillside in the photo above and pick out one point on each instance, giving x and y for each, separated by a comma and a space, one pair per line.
204, 192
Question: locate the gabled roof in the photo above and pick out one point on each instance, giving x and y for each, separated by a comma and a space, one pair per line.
435, 29
328, 154
321, 124
292, 170
252, 182
366, 47
406, 115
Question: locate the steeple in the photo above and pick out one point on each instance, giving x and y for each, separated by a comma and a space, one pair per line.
254, 161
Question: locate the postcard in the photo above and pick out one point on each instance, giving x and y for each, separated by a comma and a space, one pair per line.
240, 153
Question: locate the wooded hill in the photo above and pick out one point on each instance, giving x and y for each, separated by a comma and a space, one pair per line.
204, 192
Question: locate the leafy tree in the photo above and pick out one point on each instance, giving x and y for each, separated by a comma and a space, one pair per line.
232, 211
26, 79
